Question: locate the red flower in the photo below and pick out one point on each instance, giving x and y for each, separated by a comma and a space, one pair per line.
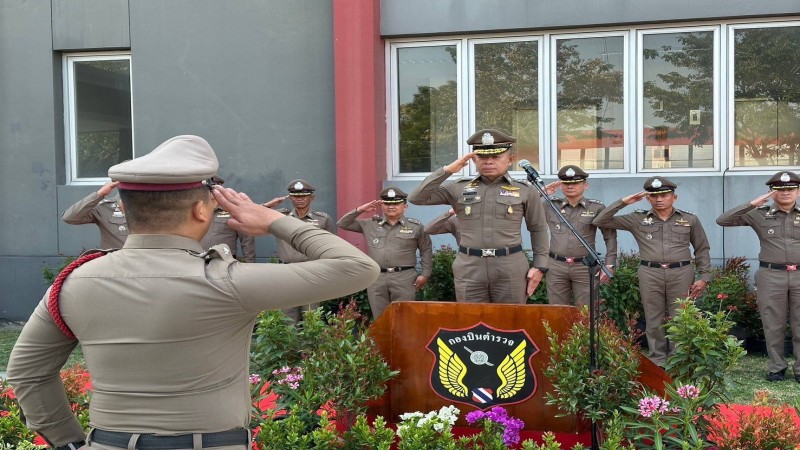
722, 296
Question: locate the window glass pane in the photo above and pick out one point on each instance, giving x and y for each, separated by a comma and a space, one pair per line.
590, 116
427, 107
767, 97
507, 93
678, 81
102, 116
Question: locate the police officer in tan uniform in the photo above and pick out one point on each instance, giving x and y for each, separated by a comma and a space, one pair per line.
221, 233
103, 212
301, 194
664, 234
164, 324
490, 265
445, 223
778, 279
393, 241
568, 277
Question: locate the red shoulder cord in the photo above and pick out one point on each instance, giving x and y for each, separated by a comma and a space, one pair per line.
55, 290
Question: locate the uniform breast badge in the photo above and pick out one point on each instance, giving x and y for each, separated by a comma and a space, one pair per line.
648, 236
468, 210
647, 221
511, 210
770, 231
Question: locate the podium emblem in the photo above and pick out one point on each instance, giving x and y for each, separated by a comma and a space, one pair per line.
482, 366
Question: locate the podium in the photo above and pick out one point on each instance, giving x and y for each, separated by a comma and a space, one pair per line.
476, 356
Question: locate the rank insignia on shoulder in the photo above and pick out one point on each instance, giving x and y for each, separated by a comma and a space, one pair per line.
687, 212
640, 211
591, 200
412, 220
377, 217
320, 213
283, 210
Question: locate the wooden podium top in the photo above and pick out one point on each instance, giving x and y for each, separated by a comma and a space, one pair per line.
476, 356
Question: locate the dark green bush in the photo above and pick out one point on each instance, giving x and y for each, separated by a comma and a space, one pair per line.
620, 298
729, 291
440, 286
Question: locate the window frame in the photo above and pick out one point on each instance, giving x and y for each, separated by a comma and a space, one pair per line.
70, 121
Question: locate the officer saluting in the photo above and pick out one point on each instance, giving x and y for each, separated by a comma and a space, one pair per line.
392, 241
165, 326
301, 194
103, 212
221, 233
568, 277
490, 265
664, 234
778, 279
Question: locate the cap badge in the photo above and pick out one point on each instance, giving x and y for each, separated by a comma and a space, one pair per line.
785, 177
298, 186
570, 172
487, 139
391, 193
656, 183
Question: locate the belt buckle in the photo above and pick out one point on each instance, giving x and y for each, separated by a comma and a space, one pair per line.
664, 265
569, 260
791, 267
390, 269
488, 252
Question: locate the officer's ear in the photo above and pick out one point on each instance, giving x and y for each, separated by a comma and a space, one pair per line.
203, 211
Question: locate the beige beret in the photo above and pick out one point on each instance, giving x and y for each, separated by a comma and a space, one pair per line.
183, 162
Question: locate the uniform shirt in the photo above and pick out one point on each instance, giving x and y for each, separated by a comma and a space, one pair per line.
778, 231
489, 214
444, 224
221, 233
105, 213
166, 331
564, 243
393, 245
319, 219
662, 241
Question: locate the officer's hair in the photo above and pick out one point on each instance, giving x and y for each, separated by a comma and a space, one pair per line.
160, 210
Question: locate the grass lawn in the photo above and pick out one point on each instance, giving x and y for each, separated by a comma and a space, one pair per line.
748, 375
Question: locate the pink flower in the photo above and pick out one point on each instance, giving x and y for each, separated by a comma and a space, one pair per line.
650, 405
255, 378
722, 296
689, 391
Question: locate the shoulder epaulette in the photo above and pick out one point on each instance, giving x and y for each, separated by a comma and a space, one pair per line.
320, 213
462, 179
763, 207
526, 182
640, 211
591, 200
283, 210
557, 199
219, 251
687, 212
412, 220
377, 217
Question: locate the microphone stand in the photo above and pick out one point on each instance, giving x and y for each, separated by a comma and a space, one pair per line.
592, 262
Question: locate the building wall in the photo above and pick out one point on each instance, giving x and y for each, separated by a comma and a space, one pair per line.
255, 78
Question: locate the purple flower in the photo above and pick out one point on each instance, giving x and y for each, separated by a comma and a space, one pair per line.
689, 391
475, 416
511, 426
650, 405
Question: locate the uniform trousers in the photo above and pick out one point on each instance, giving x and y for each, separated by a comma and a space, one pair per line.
566, 282
498, 279
391, 287
296, 312
659, 288
778, 294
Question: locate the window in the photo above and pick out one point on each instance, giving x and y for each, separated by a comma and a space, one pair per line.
590, 97
98, 125
506, 86
677, 100
694, 99
766, 96
427, 107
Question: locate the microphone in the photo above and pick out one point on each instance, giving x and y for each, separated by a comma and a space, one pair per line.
533, 175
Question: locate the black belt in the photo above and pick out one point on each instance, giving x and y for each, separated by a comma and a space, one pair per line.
396, 269
567, 259
786, 267
484, 252
674, 265
183, 441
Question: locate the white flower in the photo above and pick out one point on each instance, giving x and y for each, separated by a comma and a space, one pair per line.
438, 427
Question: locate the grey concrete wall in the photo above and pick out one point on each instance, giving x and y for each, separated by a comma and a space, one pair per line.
430, 17
255, 78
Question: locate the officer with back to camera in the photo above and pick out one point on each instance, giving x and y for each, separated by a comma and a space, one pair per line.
165, 326
105, 212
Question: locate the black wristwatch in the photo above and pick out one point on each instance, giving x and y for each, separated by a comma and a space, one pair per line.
72, 446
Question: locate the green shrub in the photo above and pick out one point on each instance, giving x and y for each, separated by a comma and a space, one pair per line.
729, 291
620, 298
440, 286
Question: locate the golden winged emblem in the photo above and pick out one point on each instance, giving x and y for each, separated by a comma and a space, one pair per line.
451, 370
512, 372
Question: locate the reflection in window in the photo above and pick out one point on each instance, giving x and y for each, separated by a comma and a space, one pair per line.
767, 96
427, 107
678, 81
590, 113
507, 93
99, 108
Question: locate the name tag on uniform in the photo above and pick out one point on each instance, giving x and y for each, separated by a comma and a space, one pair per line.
587, 213
505, 193
406, 230
223, 214
682, 223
